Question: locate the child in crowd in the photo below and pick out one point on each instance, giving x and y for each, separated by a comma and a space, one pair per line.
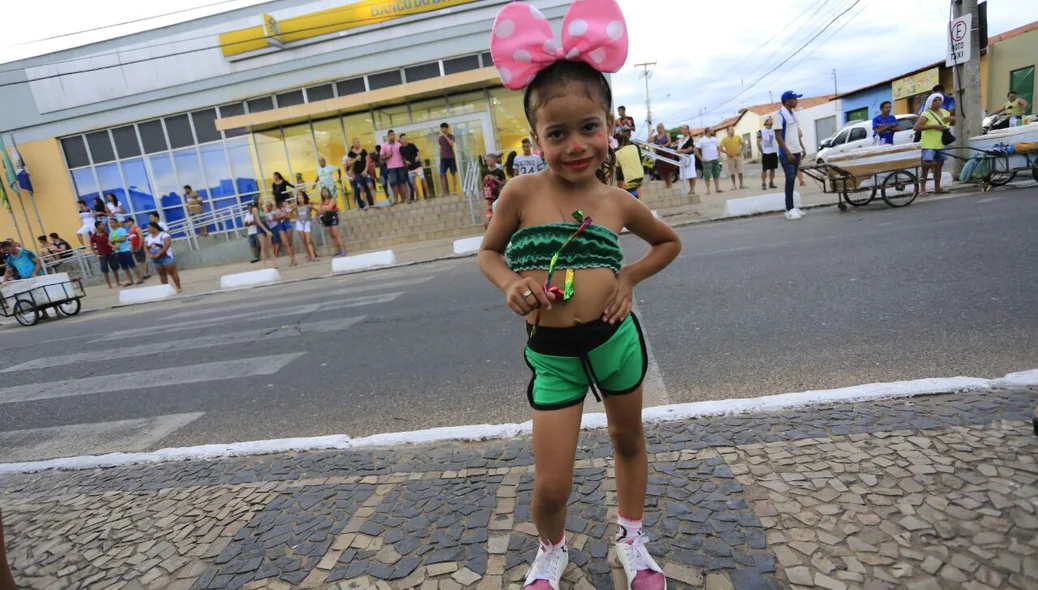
581, 332
137, 245
493, 180
330, 220
304, 217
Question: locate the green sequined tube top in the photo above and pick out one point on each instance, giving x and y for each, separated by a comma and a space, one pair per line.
532, 247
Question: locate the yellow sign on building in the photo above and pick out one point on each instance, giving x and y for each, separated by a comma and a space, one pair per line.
915, 84
324, 22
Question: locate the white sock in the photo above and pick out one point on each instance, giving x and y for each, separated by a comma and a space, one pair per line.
627, 530
561, 544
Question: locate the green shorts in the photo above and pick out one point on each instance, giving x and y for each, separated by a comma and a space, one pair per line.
608, 358
711, 169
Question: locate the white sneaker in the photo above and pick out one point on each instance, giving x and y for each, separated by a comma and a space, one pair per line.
793, 214
547, 568
634, 558
799, 211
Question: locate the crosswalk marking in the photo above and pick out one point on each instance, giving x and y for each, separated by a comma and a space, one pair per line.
295, 298
98, 437
249, 367
280, 313
209, 341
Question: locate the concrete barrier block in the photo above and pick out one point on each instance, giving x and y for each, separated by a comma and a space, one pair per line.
759, 204
468, 245
250, 279
144, 294
363, 261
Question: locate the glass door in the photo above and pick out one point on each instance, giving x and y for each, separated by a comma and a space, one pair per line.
473, 139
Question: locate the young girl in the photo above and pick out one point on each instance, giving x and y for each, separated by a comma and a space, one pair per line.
493, 180
160, 251
272, 221
330, 220
264, 219
304, 217
563, 271
87, 221
287, 237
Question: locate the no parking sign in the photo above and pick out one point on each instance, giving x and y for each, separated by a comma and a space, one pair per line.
959, 40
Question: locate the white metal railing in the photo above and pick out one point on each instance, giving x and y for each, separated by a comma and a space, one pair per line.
654, 151
70, 261
472, 188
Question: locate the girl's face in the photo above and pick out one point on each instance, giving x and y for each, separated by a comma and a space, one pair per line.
572, 133
268, 207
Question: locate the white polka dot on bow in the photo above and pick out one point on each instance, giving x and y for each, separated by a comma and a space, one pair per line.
577, 28
504, 29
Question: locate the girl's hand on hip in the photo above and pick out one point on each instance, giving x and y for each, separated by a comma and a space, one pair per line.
619, 306
525, 295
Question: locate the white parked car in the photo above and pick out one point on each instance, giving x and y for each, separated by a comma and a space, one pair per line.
859, 135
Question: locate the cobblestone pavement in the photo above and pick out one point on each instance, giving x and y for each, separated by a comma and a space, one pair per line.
928, 493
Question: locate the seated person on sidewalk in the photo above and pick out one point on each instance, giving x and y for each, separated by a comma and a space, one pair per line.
580, 330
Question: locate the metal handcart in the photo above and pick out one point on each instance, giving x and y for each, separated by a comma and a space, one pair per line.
26, 300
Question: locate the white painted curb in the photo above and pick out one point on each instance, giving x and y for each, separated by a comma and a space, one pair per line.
759, 204
468, 245
363, 261
250, 279
478, 432
145, 294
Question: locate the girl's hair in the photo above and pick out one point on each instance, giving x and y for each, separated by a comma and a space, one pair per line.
99, 201
112, 198
277, 176
510, 164
325, 191
552, 81
154, 224
306, 197
82, 204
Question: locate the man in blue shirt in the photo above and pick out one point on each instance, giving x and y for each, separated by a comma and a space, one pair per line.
884, 124
20, 260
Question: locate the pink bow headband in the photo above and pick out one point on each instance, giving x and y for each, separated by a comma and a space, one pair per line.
523, 44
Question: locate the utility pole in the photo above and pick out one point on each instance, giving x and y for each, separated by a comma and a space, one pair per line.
836, 89
967, 81
648, 102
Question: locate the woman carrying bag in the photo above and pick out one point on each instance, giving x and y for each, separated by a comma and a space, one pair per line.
933, 126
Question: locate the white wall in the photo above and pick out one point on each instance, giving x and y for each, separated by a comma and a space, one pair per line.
807, 122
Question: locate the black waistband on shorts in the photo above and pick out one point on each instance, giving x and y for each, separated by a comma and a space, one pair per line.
574, 341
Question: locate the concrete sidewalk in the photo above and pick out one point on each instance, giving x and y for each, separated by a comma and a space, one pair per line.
206, 280
930, 493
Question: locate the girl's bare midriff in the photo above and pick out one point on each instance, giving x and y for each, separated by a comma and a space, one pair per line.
592, 290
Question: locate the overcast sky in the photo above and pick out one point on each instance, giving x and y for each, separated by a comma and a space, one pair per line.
709, 54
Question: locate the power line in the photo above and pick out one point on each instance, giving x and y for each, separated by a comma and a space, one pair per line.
131, 22
784, 61
325, 26
785, 29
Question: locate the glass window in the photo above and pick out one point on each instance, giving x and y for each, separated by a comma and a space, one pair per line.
243, 166
271, 152
322, 92
111, 183
233, 110
422, 72
510, 125
1022, 83
141, 198
189, 172
217, 171
351, 86
394, 116
857, 114
86, 186
302, 158
858, 133
179, 131
467, 103
100, 147
384, 79
906, 123
126, 141
263, 103
75, 151
166, 187
331, 143
360, 126
460, 64
488, 61
841, 138
205, 125
290, 99
152, 137
429, 110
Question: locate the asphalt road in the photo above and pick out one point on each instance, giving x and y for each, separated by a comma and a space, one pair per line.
752, 307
